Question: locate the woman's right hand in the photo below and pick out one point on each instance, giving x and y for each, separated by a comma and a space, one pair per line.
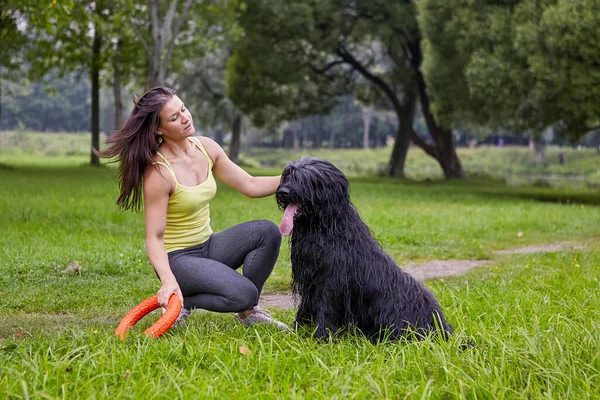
169, 286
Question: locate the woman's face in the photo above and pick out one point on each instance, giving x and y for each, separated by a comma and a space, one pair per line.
175, 120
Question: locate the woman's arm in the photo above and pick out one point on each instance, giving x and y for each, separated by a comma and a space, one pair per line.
234, 176
157, 187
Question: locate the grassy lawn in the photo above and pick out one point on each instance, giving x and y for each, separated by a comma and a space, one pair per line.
534, 317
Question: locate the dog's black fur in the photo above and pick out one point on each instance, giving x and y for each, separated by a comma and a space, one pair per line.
340, 273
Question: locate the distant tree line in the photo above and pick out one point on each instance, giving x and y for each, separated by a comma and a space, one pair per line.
64, 107
60, 105
428, 73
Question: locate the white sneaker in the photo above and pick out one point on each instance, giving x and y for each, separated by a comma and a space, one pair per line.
180, 321
260, 316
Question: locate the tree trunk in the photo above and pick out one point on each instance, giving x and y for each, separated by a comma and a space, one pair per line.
538, 149
332, 138
398, 158
164, 34
318, 132
448, 158
155, 51
304, 129
376, 133
236, 133
287, 140
367, 112
406, 117
117, 85
444, 151
402, 110
296, 139
219, 137
95, 78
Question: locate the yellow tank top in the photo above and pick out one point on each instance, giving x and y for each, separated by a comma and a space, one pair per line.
188, 213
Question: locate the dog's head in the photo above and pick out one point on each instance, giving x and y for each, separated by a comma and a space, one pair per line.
311, 190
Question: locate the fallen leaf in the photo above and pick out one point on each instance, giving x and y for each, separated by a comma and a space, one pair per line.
19, 333
126, 376
245, 351
73, 268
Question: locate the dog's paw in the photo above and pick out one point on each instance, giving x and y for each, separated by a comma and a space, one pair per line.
469, 344
323, 334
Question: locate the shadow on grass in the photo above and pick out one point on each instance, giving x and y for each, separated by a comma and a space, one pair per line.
493, 188
6, 167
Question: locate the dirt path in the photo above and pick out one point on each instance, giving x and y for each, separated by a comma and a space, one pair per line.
549, 248
433, 269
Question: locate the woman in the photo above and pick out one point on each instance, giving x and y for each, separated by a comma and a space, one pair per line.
162, 162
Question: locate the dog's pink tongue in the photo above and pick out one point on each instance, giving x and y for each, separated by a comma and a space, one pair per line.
287, 222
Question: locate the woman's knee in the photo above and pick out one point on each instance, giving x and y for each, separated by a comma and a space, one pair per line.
245, 297
268, 230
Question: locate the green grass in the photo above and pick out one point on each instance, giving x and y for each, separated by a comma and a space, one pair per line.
534, 317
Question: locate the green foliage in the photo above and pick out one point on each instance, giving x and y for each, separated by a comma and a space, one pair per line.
18, 18
532, 316
273, 74
524, 65
291, 66
65, 45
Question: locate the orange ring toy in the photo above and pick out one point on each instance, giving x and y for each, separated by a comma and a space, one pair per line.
141, 310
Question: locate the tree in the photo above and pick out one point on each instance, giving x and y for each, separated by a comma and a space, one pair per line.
81, 41
311, 42
11, 37
211, 106
204, 76
124, 54
520, 65
68, 45
159, 36
16, 17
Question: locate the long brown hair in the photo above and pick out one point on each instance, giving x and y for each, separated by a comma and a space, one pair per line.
135, 145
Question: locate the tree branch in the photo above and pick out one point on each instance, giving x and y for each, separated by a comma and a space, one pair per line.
168, 21
327, 67
427, 148
141, 39
388, 91
178, 25
215, 95
154, 21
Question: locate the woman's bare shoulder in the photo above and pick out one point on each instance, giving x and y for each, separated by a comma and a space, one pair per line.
212, 148
158, 175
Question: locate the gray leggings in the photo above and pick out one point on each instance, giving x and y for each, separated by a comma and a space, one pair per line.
207, 273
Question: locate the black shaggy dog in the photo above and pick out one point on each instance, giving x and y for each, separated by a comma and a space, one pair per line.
340, 273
